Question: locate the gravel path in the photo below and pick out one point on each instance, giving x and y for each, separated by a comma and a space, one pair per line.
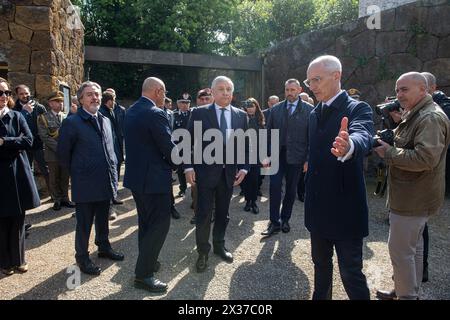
276, 268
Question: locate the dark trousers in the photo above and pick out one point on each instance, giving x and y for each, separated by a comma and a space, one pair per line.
59, 181
154, 222
12, 241
301, 184
182, 180
119, 165
85, 213
250, 183
38, 155
207, 197
350, 261
291, 172
425, 246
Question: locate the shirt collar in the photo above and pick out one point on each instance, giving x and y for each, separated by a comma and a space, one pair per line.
218, 108
54, 113
92, 114
4, 112
295, 103
329, 102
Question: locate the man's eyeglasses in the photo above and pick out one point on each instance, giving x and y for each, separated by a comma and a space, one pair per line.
165, 91
313, 81
6, 93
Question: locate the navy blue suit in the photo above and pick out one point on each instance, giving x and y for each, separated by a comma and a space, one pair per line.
88, 152
336, 211
293, 153
148, 173
214, 181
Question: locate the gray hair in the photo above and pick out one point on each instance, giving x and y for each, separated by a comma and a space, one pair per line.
415, 76
292, 81
431, 79
150, 83
86, 84
219, 79
330, 63
274, 97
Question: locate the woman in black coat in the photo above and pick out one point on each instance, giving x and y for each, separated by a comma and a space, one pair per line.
18, 191
250, 185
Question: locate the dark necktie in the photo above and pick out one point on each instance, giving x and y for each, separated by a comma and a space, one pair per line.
97, 123
324, 109
223, 125
291, 108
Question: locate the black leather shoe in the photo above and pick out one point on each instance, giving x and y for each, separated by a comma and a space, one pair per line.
68, 204
117, 201
386, 295
285, 227
157, 266
271, 229
175, 213
28, 226
150, 284
201, 263
248, 206
111, 254
57, 206
89, 267
301, 197
255, 208
425, 275
224, 254
180, 194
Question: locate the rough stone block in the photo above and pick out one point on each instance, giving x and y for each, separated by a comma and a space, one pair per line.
20, 33
426, 47
440, 68
35, 18
17, 78
18, 56
43, 62
45, 85
392, 42
444, 48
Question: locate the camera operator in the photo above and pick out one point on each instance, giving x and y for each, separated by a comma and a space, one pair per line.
416, 180
30, 109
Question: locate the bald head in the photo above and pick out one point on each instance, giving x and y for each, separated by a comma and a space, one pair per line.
411, 88
431, 80
154, 89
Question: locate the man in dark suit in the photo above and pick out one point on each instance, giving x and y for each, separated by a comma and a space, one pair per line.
107, 109
291, 118
336, 212
215, 181
148, 174
86, 147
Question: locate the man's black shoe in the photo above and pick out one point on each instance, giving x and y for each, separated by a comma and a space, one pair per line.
181, 194
117, 201
386, 295
285, 227
28, 226
68, 204
301, 197
201, 263
150, 284
175, 213
248, 206
425, 275
271, 229
57, 206
89, 267
255, 208
224, 254
111, 254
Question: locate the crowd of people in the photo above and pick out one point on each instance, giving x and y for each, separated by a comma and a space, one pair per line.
323, 140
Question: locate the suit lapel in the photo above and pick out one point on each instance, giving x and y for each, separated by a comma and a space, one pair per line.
234, 118
213, 116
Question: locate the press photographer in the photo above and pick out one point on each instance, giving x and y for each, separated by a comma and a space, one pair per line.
416, 179
31, 109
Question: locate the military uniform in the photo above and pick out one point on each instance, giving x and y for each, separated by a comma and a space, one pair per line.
180, 121
48, 128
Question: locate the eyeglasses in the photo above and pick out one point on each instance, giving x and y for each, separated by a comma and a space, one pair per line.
165, 91
6, 93
313, 81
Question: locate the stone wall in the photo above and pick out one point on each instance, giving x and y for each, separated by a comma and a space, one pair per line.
42, 41
413, 37
382, 4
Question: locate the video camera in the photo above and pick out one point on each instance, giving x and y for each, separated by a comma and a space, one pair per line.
391, 105
31, 101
